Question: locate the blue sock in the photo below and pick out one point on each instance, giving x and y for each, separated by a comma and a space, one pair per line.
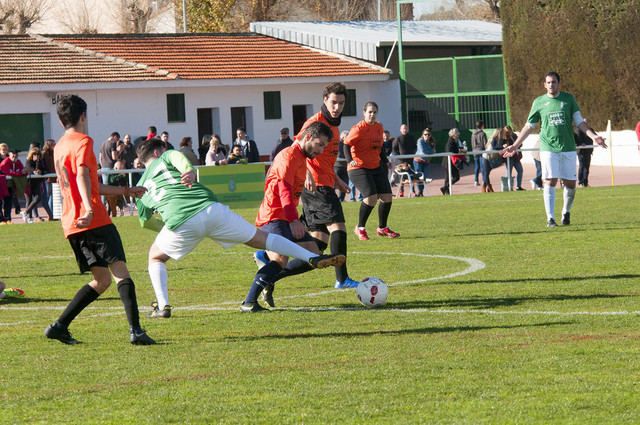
264, 278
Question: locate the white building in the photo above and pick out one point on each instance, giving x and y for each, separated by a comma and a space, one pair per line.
189, 85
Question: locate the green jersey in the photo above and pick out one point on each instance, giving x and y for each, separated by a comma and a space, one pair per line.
175, 202
555, 116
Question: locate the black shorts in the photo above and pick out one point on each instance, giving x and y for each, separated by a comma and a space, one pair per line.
370, 181
282, 228
97, 247
320, 208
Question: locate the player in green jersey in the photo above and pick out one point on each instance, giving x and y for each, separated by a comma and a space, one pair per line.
190, 213
556, 111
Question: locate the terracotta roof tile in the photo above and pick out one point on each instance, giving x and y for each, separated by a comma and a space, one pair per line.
33, 60
221, 56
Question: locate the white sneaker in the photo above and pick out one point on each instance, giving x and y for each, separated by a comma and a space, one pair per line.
476, 184
25, 218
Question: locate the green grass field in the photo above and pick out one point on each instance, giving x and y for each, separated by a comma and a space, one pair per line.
546, 332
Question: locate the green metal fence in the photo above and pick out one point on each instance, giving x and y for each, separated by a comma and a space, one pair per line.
452, 92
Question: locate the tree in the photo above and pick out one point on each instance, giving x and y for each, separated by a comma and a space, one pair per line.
80, 21
17, 16
206, 15
589, 45
135, 15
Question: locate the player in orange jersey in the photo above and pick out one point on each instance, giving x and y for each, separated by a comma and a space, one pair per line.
368, 172
94, 239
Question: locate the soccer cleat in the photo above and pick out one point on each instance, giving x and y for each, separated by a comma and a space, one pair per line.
387, 233
361, 233
324, 260
13, 293
156, 313
252, 308
566, 219
261, 258
347, 284
61, 333
139, 336
551, 223
267, 295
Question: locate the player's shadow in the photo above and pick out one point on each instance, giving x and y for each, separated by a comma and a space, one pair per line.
542, 279
488, 303
396, 332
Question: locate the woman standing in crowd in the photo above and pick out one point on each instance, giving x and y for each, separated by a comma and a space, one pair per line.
217, 154
4, 189
49, 168
35, 166
507, 138
457, 161
491, 160
368, 172
186, 148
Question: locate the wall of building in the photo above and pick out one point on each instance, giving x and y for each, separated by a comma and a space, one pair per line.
132, 110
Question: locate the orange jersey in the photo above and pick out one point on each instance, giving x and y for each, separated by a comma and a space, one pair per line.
288, 167
72, 151
321, 166
365, 143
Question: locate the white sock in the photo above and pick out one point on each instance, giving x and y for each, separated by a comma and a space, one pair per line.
549, 195
569, 196
158, 275
283, 246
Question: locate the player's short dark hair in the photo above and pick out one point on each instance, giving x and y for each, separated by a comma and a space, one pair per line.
145, 148
552, 74
317, 129
70, 108
115, 134
479, 124
335, 88
241, 129
370, 103
153, 129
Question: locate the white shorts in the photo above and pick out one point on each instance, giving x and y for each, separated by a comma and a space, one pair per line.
558, 165
216, 222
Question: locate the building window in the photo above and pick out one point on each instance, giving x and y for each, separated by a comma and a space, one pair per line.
175, 107
350, 109
272, 106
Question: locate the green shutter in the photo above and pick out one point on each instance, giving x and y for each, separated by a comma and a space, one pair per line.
176, 108
272, 105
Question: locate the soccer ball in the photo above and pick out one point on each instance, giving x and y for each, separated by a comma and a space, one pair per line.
372, 292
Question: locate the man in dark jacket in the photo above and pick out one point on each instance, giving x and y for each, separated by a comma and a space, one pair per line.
478, 143
283, 142
405, 144
248, 146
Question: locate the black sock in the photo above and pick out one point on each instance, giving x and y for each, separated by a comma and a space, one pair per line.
384, 208
322, 245
363, 216
265, 277
85, 296
127, 291
294, 266
338, 245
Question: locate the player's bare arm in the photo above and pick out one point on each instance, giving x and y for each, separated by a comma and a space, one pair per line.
309, 183
341, 185
509, 151
188, 178
592, 134
297, 229
83, 180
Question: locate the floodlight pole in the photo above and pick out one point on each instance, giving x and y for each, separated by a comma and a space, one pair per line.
401, 69
184, 16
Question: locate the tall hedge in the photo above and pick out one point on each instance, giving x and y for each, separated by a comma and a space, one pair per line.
593, 44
